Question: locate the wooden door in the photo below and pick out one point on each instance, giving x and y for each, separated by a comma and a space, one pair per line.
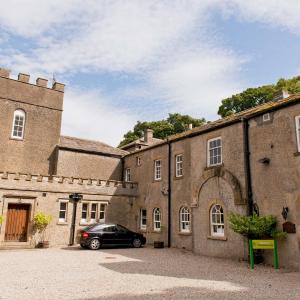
17, 222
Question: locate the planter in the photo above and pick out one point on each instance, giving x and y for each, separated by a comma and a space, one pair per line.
44, 244
158, 244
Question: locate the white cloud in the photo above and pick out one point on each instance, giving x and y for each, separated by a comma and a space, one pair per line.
87, 115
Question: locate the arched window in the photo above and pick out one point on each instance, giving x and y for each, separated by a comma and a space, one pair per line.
217, 220
157, 219
185, 221
18, 124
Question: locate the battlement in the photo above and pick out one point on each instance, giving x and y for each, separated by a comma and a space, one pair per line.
46, 183
41, 82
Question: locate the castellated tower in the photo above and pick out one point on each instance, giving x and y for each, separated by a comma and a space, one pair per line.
30, 117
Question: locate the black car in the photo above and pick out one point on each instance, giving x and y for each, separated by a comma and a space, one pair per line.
96, 235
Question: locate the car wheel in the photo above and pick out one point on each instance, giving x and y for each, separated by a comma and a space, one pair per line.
136, 243
94, 244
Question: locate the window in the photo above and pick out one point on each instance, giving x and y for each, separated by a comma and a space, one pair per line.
266, 117
93, 214
62, 217
84, 213
127, 175
217, 220
185, 222
102, 212
157, 219
138, 161
214, 152
297, 119
179, 165
18, 124
143, 219
157, 170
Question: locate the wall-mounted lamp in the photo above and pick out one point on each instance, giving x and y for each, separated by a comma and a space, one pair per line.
265, 160
284, 212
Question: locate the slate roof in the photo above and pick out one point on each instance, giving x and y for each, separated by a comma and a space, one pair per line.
83, 145
141, 142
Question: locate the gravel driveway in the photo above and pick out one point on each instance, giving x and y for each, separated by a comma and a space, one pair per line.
72, 273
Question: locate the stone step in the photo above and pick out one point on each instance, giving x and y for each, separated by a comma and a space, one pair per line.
15, 245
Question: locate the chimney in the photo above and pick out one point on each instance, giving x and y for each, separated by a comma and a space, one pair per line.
23, 77
58, 86
4, 73
280, 95
41, 82
190, 126
148, 136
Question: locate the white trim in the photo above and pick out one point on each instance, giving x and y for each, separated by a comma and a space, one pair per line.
127, 174
143, 226
266, 117
157, 169
179, 165
297, 121
209, 164
18, 113
84, 220
65, 219
185, 219
220, 224
157, 221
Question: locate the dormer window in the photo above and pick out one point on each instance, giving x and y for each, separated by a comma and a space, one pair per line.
18, 124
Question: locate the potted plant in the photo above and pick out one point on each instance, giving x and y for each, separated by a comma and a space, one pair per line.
255, 228
40, 223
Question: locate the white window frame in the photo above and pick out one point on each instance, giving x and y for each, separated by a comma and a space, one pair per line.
266, 117
84, 220
127, 174
93, 220
65, 219
217, 224
157, 219
101, 205
138, 161
179, 165
185, 219
297, 121
209, 164
143, 219
157, 169
18, 113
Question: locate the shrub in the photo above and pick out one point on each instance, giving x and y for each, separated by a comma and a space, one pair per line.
255, 227
40, 223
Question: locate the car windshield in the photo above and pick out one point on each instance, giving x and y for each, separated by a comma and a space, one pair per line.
96, 227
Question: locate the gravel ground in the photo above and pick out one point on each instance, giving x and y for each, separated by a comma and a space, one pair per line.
72, 273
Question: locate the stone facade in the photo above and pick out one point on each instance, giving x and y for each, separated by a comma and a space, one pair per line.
169, 180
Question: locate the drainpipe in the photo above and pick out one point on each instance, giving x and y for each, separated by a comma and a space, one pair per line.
248, 178
76, 198
169, 192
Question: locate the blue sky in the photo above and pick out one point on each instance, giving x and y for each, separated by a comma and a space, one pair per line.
124, 61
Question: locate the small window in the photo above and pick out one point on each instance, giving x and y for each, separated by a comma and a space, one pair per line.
138, 161
297, 119
217, 220
63, 212
179, 165
157, 170
157, 219
93, 213
84, 213
18, 124
185, 222
214, 152
143, 219
127, 174
102, 212
266, 117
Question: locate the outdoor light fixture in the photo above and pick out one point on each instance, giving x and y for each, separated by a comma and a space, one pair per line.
265, 160
284, 212
76, 198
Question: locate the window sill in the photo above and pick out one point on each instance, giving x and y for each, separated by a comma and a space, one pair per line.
143, 229
178, 177
157, 180
214, 167
156, 231
16, 139
297, 154
62, 223
218, 238
185, 233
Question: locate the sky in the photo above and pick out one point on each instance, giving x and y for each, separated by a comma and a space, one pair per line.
124, 61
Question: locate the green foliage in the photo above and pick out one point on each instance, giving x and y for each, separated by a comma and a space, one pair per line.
41, 221
1, 219
175, 123
255, 96
255, 227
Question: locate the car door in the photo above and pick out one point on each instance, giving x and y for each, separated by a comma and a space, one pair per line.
123, 235
108, 235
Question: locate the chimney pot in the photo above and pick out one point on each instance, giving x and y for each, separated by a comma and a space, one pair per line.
41, 82
148, 136
280, 95
58, 86
23, 77
4, 73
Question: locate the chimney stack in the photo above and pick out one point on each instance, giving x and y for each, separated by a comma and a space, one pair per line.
23, 77
280, 95
148, 136
4, 73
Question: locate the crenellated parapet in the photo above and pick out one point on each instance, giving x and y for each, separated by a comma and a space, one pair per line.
59, 184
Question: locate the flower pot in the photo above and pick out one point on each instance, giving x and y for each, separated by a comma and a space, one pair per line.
158, 244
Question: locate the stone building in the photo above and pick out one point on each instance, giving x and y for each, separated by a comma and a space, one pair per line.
178, 190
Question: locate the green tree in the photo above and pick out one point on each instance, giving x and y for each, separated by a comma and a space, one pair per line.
175, 123
252, 97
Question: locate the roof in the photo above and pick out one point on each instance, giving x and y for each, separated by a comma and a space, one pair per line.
234, 118
141, 142
89, 146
